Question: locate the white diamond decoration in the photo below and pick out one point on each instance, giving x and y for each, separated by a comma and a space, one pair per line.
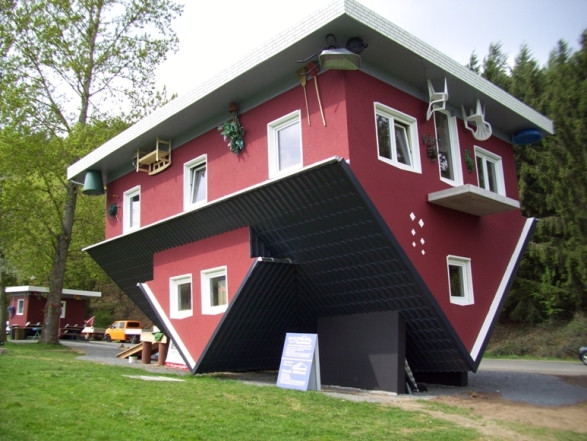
421, 223
412, 216
413, 232
422, 241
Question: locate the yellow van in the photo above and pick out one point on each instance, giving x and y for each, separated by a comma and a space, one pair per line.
124, 330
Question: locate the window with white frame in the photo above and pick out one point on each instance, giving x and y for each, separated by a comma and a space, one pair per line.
20, 307
131, 214
397, 138
489, 171
449, 155
63, 306
460, 280
214, 291
180, 296
195, 183
285, 144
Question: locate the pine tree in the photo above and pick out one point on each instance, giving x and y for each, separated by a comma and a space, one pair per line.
495, 67
552, 282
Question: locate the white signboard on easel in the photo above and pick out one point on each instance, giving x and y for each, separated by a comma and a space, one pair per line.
300, 365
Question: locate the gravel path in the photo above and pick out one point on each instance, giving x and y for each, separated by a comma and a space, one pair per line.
537, 383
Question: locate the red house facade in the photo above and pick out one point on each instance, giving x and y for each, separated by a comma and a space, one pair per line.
384, 191
26, 307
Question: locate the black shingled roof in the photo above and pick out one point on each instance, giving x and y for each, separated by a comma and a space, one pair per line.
323, 250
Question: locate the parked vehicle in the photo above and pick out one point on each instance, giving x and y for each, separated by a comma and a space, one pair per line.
124, 330
583, 354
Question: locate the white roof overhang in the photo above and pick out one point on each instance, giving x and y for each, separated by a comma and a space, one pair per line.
392, 54
27, 289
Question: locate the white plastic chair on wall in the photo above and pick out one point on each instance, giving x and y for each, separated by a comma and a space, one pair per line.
437, 99
481, 129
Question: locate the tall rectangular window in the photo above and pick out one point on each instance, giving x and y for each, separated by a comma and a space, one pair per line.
180, 296
214, 291
285, 144
449, 156
20, 307
195, 183
460, 280
397, 138
131, 215
489, 171
63, 307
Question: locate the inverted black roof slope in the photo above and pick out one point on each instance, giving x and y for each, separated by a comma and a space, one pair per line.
252, 331
346, 261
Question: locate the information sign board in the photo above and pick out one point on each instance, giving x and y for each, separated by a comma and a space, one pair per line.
300, 366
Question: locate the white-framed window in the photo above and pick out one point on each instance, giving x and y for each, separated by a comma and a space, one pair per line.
214, 290
460, 280
449, 154
20, 307
397, 138
195, 183
180, 297
131, 214
63, 306
489, 171
284, 137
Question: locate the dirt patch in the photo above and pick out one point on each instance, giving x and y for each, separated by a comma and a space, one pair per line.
492, 416
491, 407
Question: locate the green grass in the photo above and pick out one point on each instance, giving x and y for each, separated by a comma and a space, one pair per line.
49, 395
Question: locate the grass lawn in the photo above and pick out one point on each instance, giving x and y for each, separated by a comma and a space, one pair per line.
46, 394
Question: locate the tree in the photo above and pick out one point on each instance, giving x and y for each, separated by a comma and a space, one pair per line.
68, 65
495, 66
473, 63
552, 280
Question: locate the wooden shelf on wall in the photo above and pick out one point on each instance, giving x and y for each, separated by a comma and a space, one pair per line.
155, 161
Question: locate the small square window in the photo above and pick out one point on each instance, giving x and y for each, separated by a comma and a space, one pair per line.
285, 145
460, 280
214, 291
131, 215
195, 182
180, 296
489, 171
397, 138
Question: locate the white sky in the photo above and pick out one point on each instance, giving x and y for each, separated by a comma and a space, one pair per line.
216, 34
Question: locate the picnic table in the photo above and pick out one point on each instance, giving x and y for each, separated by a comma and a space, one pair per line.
70, 332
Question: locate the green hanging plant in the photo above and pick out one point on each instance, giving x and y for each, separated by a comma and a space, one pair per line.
469, 161
233, 132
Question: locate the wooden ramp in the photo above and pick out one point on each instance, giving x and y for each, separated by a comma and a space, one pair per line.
137, 349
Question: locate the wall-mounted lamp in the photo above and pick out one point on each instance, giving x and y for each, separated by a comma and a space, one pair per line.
333, 57
113, 210
93, 185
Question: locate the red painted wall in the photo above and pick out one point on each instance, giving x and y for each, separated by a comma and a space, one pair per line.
75, 312
231, 250
488, 241
348, 102
162, 194
34, 310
